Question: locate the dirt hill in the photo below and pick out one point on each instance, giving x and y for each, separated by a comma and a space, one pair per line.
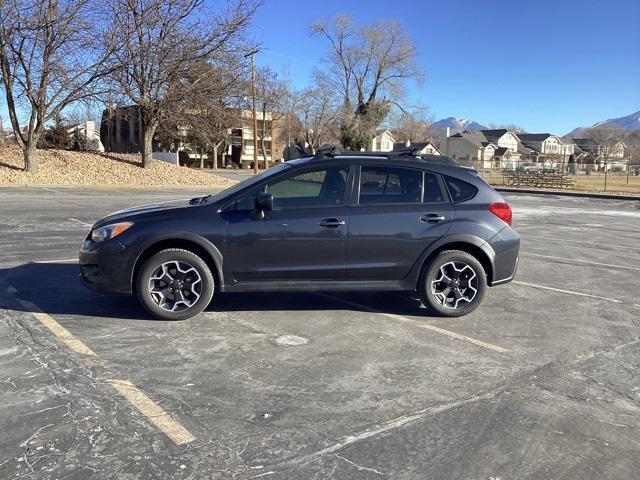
61, 167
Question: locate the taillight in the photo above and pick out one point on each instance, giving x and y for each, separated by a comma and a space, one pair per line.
502, 211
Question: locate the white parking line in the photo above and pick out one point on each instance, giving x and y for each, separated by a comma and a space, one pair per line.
418, 324
65, 260
84, 224
580, 261
568, 292
581, 242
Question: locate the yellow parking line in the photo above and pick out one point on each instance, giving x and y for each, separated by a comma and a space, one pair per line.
58, 330
423, 325
154, 412
161, 419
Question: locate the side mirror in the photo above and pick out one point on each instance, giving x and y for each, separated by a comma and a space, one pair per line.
263, 204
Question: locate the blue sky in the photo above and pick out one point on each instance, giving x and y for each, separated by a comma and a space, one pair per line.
544, 65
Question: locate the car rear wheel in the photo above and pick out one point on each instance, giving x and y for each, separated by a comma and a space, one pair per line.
453, 284
175, 284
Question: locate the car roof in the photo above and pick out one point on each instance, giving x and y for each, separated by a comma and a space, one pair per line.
408, 159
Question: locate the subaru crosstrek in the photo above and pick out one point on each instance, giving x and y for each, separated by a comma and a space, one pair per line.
336, 221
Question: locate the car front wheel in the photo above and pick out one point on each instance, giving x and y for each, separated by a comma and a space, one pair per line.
453, 284
175, 284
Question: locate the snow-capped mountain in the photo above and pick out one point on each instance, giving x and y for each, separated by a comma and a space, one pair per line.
457, 125
629, 123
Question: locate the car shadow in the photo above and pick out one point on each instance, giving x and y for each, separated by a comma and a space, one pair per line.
56, 289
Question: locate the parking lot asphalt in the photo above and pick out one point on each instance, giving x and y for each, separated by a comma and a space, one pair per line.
541, 381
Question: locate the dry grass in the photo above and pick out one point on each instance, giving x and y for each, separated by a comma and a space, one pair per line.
60, 167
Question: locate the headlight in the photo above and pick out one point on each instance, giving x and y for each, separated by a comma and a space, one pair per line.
109, 231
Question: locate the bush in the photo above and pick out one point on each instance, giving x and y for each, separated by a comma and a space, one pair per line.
56, 137
84, 144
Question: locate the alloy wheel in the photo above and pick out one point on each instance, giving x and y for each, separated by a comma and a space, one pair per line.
455, 285
175, 286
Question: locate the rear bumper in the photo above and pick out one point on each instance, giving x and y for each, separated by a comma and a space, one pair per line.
104, 267
506, 245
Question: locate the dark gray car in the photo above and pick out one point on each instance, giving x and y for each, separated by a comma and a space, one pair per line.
337, 221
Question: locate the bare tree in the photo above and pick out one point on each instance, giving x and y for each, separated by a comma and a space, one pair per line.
367, 65
51, 53
159, 41
414, 124
272, 97
318, 111
208, 112
608, 142
506, 126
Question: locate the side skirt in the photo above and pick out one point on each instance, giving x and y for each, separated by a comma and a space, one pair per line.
319, 285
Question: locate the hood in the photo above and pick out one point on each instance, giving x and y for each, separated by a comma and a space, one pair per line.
134, 212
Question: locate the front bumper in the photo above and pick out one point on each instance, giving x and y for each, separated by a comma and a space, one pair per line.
104, 267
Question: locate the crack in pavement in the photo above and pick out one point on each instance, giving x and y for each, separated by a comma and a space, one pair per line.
516, 382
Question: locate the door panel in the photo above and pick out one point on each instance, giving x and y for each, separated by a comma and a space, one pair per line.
385, 241
303, 238
290, 246
391, 227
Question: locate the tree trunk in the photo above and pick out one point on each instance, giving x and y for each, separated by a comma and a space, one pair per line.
30, 156
263, 150
214, 152
201, 158
147, 145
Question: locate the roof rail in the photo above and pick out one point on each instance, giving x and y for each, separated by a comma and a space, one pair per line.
331, 151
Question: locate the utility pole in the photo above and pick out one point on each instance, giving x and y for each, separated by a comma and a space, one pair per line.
255, 119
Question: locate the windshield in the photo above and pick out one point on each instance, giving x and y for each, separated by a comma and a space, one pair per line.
255, 179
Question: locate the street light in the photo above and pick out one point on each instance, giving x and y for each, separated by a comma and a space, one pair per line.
255, 120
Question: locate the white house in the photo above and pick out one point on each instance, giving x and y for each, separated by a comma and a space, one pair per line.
420, 148
593, 149
545, 143
382, 142
88, 130
497, 148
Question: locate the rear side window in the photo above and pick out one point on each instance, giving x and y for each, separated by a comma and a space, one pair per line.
459, 190
390, 185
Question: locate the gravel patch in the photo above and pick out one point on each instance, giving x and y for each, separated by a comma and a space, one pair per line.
61, 167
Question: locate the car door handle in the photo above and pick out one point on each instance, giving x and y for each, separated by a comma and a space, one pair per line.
331, 223
432, 218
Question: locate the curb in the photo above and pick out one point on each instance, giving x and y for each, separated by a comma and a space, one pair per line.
564, 193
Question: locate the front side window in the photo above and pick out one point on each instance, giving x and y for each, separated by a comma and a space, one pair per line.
321, 187
390, 185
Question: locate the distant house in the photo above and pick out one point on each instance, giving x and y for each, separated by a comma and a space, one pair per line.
421, 148
545, 144
88, 131
593, 147
485, 148
382, 142
594, 153
121, 131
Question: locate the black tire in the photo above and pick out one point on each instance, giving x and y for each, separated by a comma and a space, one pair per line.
432, 273
158, 303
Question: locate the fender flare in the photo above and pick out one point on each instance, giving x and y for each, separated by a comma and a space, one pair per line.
202, 242
416, 270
